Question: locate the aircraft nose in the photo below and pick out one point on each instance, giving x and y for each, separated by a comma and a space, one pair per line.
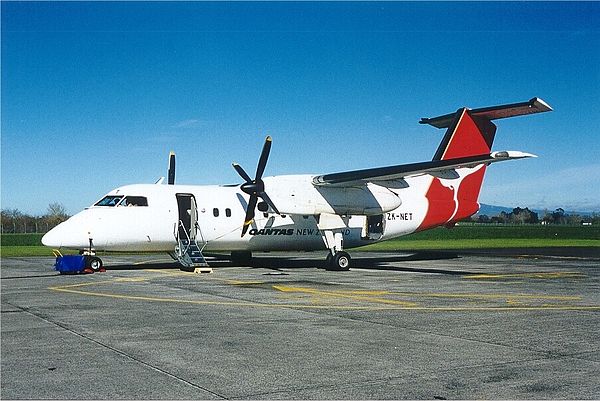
73, 233
53, 238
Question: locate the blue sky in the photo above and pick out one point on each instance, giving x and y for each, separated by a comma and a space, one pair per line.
95, 95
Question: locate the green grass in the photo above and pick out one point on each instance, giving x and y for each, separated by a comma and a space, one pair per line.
27, 250
463, 236
400, 244
478, 231
467, 236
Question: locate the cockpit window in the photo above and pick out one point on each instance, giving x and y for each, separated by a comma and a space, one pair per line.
134, 201
109, 200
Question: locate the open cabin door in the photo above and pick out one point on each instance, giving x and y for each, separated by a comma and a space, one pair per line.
188, 216
374, 227
187, 250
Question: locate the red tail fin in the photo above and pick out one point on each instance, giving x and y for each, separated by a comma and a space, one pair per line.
470, 133
454, 200
466, 136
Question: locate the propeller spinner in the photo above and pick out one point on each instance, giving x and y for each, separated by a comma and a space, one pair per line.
255, 188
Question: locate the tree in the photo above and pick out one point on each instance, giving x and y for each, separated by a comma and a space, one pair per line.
56, 214
12, 220
483, 218
523, 216
558, 216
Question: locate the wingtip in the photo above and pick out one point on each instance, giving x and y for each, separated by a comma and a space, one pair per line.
540, 104
511, 154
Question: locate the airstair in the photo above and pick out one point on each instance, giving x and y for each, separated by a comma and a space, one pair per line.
188, 250
189, 254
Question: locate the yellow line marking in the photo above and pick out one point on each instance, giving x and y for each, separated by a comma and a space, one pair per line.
170, 272
130, 279
199, 302
528, 275
81, 284
487, 296
341, 294
358, 295
346, 307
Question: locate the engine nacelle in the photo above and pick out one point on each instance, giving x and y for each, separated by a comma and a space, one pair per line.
297, 195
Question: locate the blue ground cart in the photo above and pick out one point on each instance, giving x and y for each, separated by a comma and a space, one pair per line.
74, 264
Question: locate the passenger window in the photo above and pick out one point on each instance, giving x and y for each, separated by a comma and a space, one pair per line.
216, 212
228, 212
109, 200
134, 201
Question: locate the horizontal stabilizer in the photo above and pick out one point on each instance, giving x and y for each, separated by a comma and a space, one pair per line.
535, 105
438, 168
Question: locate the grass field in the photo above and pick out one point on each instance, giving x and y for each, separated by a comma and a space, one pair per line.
460, 237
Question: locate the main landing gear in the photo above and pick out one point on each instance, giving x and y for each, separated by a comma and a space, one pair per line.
337, 259
340, 261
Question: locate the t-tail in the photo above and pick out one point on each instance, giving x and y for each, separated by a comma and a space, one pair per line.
453, 196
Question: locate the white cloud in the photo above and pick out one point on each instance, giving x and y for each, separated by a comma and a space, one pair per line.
190, 123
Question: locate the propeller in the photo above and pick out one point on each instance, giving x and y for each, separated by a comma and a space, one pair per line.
171, 172
255, 187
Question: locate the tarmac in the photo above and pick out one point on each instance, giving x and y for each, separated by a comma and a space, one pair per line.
396, 326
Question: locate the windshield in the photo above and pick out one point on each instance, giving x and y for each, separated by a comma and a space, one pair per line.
109, 200
134, 201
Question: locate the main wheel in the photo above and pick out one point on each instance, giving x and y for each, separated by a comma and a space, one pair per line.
95, 263
340, 261
329, 261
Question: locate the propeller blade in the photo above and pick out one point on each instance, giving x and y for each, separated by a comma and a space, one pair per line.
262, 162
266, 198
171, 172
249, 213
241, 172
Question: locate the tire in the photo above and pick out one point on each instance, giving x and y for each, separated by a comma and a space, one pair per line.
329, 261
340, 261
95, 263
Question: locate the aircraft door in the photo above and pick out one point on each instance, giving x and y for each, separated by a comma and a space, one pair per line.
188, 216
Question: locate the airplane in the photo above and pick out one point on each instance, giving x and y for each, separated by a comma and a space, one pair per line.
332, 212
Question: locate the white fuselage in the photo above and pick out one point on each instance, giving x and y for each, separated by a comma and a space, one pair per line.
306, 211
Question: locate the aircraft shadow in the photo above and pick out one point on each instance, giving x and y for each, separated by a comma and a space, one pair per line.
378, 262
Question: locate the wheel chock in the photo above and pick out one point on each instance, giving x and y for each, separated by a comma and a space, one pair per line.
199, 270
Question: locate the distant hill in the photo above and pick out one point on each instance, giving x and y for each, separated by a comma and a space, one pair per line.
494, 210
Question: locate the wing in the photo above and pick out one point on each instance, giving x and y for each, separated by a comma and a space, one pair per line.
392, 176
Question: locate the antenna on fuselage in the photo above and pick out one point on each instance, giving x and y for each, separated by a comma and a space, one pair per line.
171, 172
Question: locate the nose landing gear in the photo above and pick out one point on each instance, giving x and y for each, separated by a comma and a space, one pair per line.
92, 261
